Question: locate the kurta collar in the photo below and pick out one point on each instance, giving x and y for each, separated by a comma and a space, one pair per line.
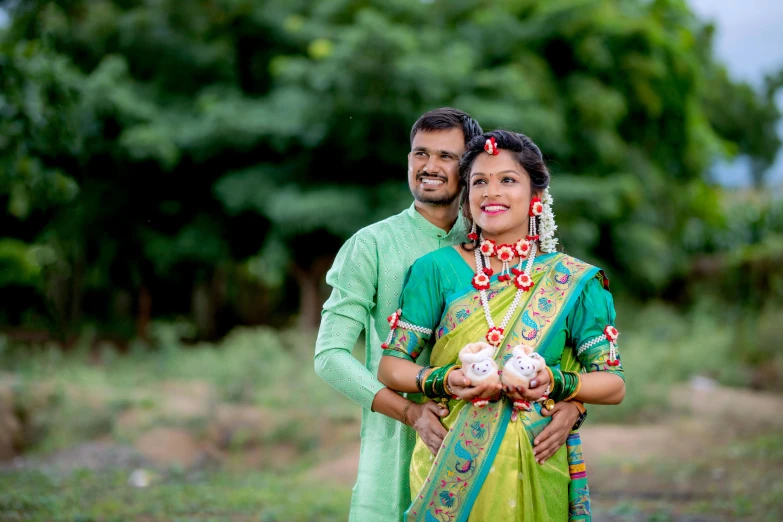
421, 223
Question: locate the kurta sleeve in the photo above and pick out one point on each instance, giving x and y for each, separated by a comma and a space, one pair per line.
420, 310
592, 313
353, 278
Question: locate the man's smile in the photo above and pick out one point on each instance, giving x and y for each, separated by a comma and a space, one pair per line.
431, 180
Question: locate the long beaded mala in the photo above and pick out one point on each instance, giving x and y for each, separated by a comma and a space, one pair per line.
523, 280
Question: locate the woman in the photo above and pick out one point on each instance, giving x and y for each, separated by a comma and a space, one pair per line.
555, 304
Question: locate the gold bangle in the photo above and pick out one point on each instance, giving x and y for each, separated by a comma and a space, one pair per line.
404, 415
446, 386
551, 379
578, 387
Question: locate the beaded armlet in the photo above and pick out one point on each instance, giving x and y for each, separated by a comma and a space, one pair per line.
610, 335
395, 321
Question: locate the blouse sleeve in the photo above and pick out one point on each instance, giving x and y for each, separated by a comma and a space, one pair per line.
592, 313
420, 310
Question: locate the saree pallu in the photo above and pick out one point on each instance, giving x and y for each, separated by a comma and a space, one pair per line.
485, 469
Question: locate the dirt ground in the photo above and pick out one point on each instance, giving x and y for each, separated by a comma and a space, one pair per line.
684, 468
702, 462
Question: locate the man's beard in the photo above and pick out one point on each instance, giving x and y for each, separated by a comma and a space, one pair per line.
438, 199
443, 199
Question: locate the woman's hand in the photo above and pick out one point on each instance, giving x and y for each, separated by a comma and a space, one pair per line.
534, 391
462, 388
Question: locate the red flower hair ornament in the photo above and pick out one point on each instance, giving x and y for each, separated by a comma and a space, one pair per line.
491, 147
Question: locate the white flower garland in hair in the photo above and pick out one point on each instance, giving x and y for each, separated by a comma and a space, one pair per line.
547, 239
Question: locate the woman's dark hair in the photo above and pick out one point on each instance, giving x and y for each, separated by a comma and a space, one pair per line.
522, 148
447, 118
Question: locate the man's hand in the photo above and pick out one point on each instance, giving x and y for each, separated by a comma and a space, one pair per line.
425, 419
564, 416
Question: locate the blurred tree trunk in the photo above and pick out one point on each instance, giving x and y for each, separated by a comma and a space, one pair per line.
202, 310
144, 314
207, 300
311, 296
76, 291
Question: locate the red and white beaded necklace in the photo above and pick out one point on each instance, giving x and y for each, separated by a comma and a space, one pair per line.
524, 249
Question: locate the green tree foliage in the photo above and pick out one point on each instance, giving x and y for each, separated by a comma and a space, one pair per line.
194, 157
746, 119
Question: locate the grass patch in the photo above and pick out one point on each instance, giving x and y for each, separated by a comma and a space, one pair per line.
66, 398
106, 497
63, 399
661, 346
739, 484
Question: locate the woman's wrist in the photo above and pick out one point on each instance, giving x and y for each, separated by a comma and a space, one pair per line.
551, 386
567, 385
576, 385
421, 376
446, 386
556, 387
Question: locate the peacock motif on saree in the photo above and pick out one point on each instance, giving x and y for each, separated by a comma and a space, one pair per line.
530, 330
462, 453
562, 273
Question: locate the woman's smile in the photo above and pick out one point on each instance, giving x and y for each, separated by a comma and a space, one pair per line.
494, 209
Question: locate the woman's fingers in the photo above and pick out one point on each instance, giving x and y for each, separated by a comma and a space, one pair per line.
483, 391
535, 393
479, 390
514, 393
457, 378
541, 378
464, 392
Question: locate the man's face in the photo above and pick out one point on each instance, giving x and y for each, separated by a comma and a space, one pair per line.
433, 166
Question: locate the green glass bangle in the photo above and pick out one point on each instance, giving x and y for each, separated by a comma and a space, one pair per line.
429, 384
434, 385
419, 377
440, 390
570, 383
566, 385
557, 385
575, 386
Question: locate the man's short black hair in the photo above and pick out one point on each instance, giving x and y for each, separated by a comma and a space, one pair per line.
447, 118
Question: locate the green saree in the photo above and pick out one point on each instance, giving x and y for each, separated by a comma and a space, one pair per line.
485, 469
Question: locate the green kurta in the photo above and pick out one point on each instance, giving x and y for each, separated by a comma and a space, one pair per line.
367, 278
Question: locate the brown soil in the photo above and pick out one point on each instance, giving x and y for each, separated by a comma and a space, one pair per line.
167, 446
614, 454
185, 424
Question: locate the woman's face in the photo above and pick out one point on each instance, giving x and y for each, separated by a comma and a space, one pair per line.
500, 195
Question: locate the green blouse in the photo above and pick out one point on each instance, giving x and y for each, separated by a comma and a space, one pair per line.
443, 277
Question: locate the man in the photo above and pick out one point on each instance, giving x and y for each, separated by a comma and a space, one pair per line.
367, 277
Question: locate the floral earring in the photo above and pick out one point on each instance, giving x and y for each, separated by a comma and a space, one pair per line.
473, 236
